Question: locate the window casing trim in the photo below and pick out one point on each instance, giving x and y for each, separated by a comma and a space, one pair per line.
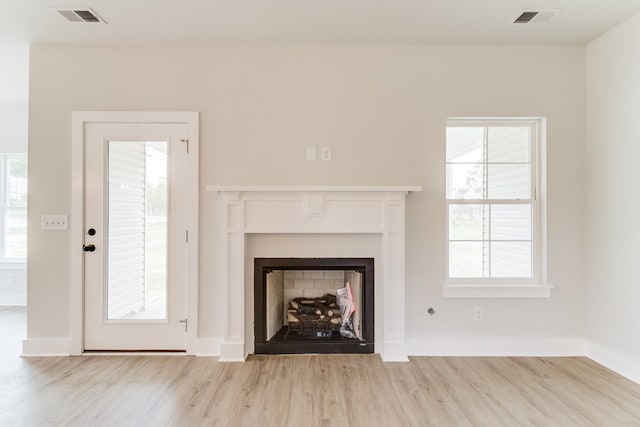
534, 286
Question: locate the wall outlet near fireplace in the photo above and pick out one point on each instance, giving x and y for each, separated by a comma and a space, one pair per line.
478, 314
325, 154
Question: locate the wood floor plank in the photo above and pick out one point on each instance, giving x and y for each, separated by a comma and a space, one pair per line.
309, 390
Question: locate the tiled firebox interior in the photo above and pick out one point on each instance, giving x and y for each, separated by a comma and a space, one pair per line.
285, 285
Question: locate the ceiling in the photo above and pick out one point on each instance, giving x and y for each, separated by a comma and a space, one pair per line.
312, 21
293, 21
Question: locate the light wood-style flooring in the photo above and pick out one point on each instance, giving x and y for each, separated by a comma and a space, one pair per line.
311, 390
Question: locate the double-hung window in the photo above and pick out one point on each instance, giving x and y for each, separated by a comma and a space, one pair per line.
13, 217
492, 201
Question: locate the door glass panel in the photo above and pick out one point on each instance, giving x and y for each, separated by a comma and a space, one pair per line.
137, 230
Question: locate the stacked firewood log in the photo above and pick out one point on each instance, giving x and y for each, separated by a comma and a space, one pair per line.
315, 316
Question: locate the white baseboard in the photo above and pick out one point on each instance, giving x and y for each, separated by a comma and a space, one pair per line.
34, 347
204, 347
496, 346
232, 352
627, 366
433, 346
394, 352
207, 347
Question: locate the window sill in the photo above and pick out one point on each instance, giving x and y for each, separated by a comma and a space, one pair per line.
12, 265
496, 291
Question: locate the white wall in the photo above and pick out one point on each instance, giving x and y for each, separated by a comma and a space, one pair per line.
14, 89
14, 72
13, 283
13, 128
13, 139
381, 108
613, 202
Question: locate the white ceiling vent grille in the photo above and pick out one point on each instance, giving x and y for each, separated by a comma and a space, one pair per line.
81, 15
535, 16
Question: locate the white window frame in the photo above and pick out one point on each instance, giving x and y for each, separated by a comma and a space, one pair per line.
4, 179
491, 287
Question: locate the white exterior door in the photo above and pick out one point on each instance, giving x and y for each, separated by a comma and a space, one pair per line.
135, 241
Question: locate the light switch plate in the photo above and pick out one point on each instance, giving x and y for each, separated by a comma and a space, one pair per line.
311, 153
55, 222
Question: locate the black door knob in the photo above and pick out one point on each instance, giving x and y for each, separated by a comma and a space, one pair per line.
88, 248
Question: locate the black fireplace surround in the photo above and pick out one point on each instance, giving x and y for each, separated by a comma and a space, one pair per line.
294, 344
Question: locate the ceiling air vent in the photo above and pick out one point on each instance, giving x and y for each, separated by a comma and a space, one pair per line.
80, 15
535, 17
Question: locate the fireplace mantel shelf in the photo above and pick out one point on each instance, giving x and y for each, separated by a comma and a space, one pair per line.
312, 188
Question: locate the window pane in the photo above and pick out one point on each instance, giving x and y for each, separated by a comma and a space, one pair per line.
465, 222
509, 182
509, 144
17, 182
464, 181
491, 160
464, 144
511, 222
16, 235
465, 259
511, 259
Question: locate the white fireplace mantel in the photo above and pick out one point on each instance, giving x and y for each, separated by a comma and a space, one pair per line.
316, 210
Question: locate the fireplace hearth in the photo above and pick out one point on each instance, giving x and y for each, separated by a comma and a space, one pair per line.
298, 308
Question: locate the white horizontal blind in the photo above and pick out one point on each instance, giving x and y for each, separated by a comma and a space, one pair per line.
126, 229
491, 202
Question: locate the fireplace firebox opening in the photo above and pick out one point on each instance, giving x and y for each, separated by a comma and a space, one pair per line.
314, 305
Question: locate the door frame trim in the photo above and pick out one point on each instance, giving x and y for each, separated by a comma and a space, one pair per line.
79, 119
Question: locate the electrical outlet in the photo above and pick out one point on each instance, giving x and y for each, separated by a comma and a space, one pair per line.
478, 314
325, 154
